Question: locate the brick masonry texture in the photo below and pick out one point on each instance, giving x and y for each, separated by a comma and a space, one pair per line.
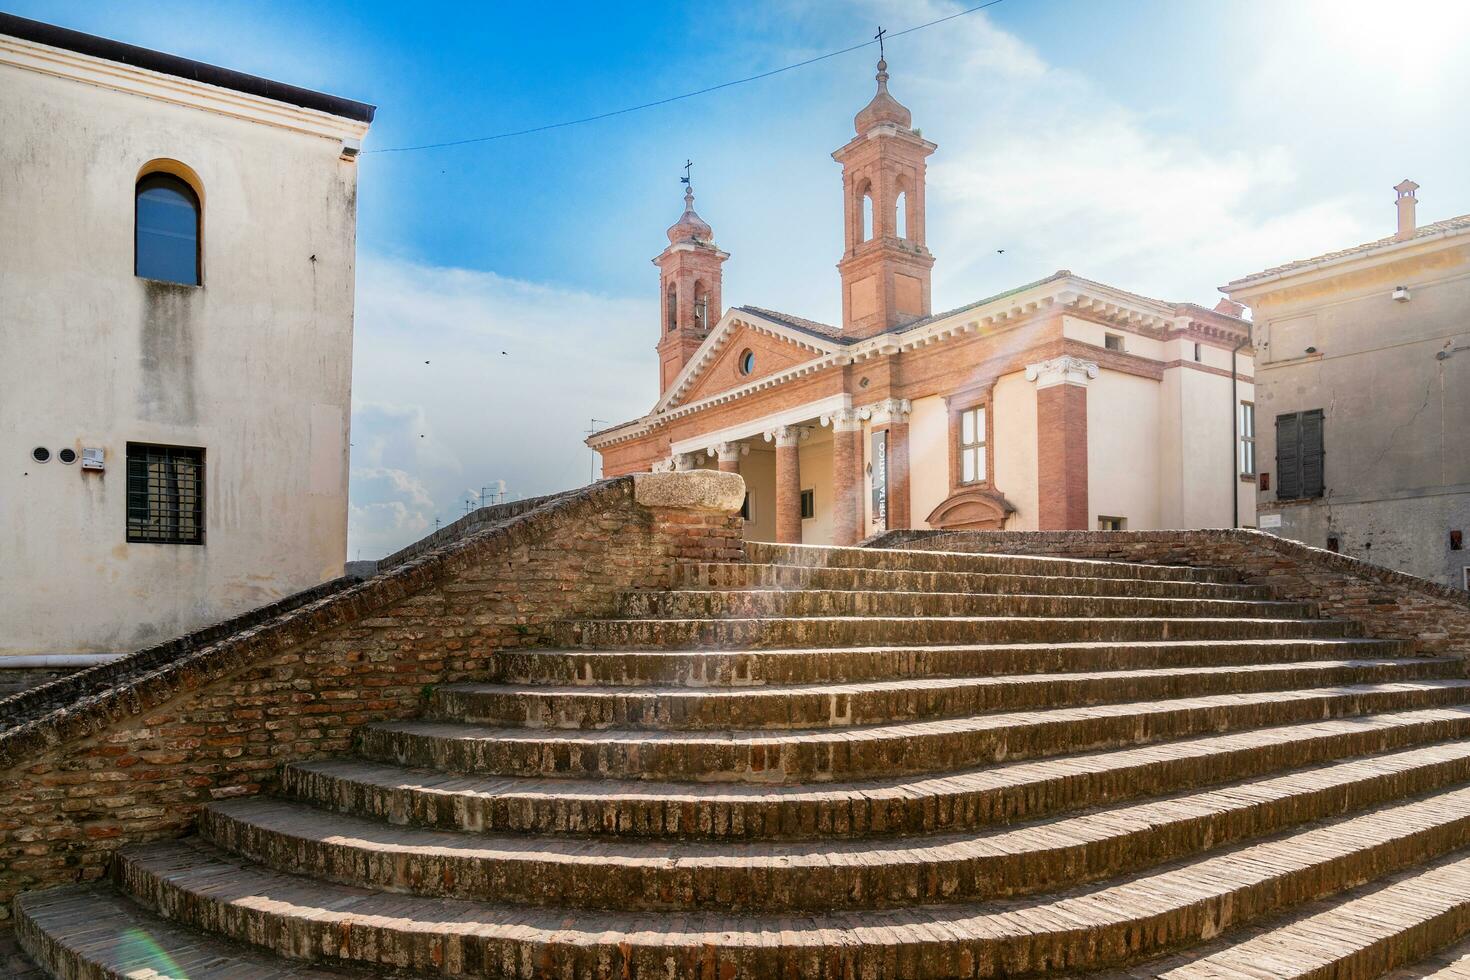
218, 715
604, 738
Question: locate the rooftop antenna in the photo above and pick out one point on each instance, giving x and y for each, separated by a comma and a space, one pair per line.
594, 423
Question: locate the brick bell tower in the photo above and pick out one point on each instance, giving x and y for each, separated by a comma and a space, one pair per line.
689, 289
885, 264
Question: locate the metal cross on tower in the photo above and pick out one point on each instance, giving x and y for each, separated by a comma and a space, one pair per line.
879, 36
688, 167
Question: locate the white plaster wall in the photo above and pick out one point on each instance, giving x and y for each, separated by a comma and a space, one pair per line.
815, 457
928, 457
254, 366
1122, 449
1076, 328
1014, 404
758, 467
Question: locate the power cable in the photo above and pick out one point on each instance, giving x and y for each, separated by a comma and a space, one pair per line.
679, 98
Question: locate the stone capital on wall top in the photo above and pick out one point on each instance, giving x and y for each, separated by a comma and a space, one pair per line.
1066, 369
890, 411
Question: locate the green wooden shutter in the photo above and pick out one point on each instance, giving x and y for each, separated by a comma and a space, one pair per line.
1311, 452
1288, 457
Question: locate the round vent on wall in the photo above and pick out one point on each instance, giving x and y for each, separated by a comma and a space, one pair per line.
40, 454
67, 456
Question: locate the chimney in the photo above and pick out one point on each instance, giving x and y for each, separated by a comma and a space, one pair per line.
1230, 308
1406, 202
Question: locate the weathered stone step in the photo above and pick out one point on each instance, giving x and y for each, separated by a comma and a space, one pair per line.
746, 575
1099, 926
1450, 963
815, 556
1363, 933
92, 932
760, 603
881, 702
727, 634
812, 875
874, 751
747, 668
996, 794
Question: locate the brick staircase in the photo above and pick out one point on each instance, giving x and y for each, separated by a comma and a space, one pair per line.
847, 763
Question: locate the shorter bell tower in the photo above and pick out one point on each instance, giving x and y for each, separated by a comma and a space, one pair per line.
689, 291
885, 263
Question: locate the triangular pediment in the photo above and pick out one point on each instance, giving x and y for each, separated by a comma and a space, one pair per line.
720, 363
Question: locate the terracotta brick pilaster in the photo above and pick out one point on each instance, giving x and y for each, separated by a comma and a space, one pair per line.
847, 484
1061, 442
788, 484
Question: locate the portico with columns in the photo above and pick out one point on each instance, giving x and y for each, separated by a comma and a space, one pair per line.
1063, 403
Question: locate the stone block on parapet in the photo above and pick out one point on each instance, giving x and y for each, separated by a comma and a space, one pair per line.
702, 490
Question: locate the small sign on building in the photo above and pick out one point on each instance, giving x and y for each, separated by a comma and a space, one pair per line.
880, 479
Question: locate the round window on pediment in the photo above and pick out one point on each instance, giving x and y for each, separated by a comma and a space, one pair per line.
747, 361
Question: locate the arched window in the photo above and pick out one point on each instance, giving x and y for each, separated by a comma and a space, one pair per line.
166, 230
701, 307
901, 222
671, 308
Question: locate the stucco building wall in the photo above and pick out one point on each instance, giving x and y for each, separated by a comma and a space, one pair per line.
254, 366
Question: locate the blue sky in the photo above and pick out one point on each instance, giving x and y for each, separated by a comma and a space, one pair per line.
1165, 146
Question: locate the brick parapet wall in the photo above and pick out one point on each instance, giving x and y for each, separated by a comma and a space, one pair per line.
466, 525
1389, 604
136, 761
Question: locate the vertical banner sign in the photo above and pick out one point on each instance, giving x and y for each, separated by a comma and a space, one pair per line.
880, 479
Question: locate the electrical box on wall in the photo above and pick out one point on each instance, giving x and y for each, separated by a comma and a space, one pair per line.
92, 460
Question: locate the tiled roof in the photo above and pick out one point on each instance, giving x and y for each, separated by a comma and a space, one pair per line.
824, 330
1461, 223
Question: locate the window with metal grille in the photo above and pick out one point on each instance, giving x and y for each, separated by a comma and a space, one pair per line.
165, 494
1300, 455
808, 504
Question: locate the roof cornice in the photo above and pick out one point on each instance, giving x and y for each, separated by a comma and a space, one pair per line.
134, 80
1310, 270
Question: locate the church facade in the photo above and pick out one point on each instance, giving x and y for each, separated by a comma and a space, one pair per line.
1060, 404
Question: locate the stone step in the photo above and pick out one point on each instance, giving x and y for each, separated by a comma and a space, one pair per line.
729, 634
882, 702
744, 575
668, 875
1363, 933
816, 556
1108, 924
1450, 963
873, 751
749, 668
762, 603
90, 932
954, 801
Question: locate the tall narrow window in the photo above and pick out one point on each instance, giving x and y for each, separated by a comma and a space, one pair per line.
166, 227
808, 504
671, 308
1299, 455
972, 445
901, 216
701, 307
867, 206
1247, 439
165, 494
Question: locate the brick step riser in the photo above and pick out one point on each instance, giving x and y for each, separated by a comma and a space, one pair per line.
896, 755
765, 553
648, 634
755, 668
735, 575
857, 813
878, 883
379, 943
775, 603
773, 710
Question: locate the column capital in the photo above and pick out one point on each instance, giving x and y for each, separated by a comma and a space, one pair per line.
683, 462
728, 452
785, 435
844, 420
1064, 370
890, 411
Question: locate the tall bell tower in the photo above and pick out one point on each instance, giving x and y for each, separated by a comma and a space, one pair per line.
885, 263
689, 291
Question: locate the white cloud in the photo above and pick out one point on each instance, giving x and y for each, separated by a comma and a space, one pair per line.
427, 435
